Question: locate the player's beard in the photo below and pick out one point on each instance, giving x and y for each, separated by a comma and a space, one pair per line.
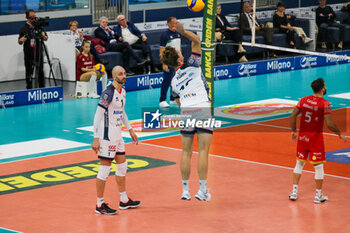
122, 81
325, 91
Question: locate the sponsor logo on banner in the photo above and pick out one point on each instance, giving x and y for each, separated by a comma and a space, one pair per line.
257, 109
7, 100
343, 58
279, 65
35, 96
339, 156
306, 62
42, 95
247, 69
222, 72
70, 173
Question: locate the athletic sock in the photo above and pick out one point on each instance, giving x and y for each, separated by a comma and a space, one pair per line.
123, 197
295, 188
318, 192
203, 186
100, 201
185, 185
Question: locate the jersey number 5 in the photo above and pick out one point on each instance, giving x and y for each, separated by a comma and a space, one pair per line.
308, 116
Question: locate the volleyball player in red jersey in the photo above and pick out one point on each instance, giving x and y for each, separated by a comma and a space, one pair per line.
314, 109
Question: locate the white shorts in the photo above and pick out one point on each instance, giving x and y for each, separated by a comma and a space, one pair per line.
194, 114
109, 149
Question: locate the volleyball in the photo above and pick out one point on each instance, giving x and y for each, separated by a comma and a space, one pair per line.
196, 5
100, 68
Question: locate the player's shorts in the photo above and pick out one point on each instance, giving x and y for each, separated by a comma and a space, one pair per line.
109, 149
197, 119
314, 157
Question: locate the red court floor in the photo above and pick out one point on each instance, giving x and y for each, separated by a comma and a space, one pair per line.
250, 177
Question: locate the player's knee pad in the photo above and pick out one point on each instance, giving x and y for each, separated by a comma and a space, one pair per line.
121, 169
299, 167
103, 173
319, 172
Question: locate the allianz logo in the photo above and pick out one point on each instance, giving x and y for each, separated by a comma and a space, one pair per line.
6, 97
220, 73
308, 61
276, 65
247, 69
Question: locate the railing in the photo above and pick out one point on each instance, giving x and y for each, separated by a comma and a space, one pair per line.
109, 8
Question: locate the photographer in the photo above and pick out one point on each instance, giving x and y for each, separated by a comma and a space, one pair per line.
31, 35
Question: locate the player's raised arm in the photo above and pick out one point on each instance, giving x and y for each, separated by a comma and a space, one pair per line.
196, 43
333, 127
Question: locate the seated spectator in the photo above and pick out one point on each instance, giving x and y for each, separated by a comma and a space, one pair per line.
79, 37
282, 25
86, 72
346, 9
246, 22
114, 44
129, 33
325, 17
230, 33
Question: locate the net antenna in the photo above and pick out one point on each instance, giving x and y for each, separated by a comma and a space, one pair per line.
253, 22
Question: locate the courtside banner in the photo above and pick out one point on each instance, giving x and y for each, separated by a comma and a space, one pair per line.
237, 70
27, 97
144, 82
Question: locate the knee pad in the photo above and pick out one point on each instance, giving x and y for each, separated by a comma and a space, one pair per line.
121, 169
103, 173
319, 172
299, 167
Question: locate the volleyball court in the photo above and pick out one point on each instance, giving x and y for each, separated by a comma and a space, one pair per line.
250, 177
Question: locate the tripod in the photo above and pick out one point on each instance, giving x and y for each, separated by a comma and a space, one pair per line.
38, 59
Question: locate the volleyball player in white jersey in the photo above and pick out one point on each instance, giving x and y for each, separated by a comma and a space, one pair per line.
191, 93
108, 141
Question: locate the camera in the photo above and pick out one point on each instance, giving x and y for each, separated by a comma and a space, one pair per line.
40, 23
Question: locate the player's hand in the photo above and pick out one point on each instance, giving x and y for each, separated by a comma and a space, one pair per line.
23, 39
321, 14
144, 37
180, 28
165, 67
134, 137
96, 145
341, 136
294, 136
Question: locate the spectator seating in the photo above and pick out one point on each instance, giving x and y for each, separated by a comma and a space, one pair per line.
153, 39
341, 17
279, 39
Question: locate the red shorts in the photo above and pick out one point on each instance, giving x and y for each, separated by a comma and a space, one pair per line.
314, 156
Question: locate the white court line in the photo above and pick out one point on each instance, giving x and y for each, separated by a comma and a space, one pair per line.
282, 127
18, 149
247, 161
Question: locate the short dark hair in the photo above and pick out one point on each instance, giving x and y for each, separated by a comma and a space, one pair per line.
317, 85
170, 18
28, 12
281, 4
170, 56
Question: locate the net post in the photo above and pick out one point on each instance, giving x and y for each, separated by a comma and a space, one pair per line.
209, 18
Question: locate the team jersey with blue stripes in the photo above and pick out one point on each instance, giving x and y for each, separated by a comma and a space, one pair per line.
113, 102
188, 83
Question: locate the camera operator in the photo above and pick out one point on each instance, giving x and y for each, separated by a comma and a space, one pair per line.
31, 35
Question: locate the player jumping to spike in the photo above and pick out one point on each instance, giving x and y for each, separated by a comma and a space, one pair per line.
190, 91
314, 110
